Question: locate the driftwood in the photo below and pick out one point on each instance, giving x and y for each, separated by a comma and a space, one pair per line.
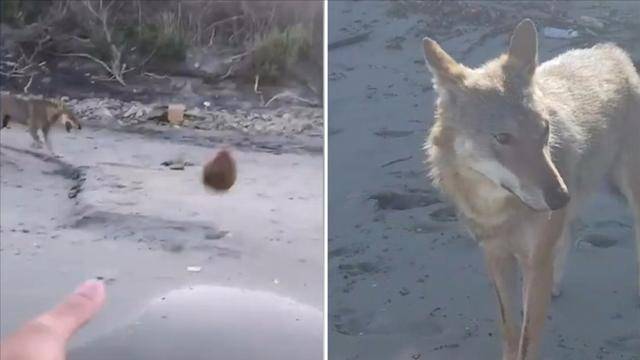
290, 95
116, 66
389, 163
349, 41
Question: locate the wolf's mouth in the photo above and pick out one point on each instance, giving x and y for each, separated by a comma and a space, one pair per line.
509, 190
519, 198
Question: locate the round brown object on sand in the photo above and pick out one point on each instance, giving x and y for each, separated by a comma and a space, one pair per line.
219, 173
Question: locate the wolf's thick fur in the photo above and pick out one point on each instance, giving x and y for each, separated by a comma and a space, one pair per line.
519, 146
37, 114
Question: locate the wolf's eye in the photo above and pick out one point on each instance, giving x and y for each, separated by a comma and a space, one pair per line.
503, 138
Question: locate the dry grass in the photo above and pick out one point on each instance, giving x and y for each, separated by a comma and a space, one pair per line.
127, 34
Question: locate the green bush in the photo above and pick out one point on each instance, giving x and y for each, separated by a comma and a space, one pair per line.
22, 12
11, 12
278, 50
168, 45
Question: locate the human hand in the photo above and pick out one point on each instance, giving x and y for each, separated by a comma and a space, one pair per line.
46, 336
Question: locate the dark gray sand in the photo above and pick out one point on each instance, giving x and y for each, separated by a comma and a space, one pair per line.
405, 279
108, 208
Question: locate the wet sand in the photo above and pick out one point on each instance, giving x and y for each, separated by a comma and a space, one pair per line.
405, 279
109, 209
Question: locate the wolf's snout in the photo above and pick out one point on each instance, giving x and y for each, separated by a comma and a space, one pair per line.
556, 198
67, 126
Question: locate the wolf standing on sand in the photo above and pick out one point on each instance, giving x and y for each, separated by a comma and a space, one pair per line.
37, 114
519, 146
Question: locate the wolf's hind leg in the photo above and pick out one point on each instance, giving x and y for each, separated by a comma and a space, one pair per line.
45, 133
37, 143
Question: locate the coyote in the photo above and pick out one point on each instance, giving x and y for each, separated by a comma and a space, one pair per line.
37, 114
519, 146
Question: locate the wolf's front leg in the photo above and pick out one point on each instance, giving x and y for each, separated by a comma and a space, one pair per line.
538, 280
537, 270
503, 272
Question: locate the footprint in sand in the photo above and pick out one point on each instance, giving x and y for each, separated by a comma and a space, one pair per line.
599, 240
386, 133
625, 343
348, 321
361, 268
445, 214
389, 200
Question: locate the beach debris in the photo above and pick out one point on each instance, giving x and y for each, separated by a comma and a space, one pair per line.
386, 133
351, 40
217, 235
104, 113
389, 200
446, 346
395, 43
435, 311
176, 164
300, 116
194, 269
472, 330
389, 163
292, 96
136, 110
557, 33
336, 76
175, 113
591, 22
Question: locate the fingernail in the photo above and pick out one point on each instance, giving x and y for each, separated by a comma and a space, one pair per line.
90, 288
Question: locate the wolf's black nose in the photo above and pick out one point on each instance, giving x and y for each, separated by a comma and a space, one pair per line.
556, 198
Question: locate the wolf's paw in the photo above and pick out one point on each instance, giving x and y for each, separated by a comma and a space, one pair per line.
556, 291
36, 145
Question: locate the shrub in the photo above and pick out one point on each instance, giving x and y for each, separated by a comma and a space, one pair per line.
278, 50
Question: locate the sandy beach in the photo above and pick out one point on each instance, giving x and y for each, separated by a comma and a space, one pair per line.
178, 260
406, 281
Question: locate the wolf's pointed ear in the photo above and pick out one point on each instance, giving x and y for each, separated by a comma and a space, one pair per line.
446, 71
523, 50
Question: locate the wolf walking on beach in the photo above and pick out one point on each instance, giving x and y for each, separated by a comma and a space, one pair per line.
518, 147
37, 114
